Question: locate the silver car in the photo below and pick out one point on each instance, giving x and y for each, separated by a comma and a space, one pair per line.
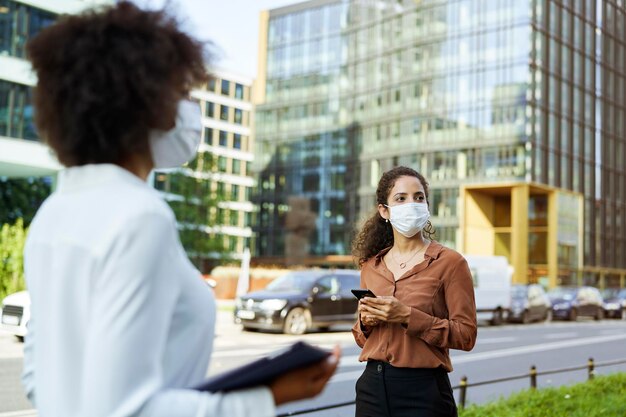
529, 303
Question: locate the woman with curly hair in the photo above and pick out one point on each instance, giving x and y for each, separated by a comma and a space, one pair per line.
122, 324
424, 305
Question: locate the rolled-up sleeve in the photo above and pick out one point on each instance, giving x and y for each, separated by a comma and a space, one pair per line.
459, 330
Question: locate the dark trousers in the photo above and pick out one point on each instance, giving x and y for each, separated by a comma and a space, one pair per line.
387, 391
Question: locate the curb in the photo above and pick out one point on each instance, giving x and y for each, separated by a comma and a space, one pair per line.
21, 413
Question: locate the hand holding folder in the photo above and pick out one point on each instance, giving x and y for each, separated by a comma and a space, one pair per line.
299, 372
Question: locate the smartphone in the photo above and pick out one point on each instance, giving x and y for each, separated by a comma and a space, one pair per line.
360, 293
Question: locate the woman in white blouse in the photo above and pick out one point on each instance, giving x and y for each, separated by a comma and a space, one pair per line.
122, 325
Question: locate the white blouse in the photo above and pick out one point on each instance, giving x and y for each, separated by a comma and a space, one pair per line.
122, 324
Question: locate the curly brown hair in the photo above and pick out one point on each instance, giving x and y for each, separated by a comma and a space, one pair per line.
108, 76
377, 234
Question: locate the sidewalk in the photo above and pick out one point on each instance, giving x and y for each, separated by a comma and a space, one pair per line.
225, 304
21, 413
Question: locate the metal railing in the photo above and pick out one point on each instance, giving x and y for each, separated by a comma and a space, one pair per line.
464, 385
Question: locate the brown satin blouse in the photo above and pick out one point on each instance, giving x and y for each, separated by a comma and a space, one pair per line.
440, 292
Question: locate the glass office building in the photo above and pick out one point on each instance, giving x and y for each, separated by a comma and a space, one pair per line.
21, 154
513, 110
307, 154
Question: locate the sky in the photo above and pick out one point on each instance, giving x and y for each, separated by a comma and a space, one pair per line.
232, 25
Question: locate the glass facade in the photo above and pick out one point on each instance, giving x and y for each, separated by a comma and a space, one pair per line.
578, 70
306, 152
18, 23
441, 87
465, 92
16, 111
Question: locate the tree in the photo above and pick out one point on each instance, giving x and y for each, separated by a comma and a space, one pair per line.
195, 204
20, 198
12, 240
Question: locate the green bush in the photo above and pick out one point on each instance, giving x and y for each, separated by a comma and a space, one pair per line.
12, 239
603, 396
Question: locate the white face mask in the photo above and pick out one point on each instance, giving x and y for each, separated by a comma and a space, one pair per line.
172, 148
409, 218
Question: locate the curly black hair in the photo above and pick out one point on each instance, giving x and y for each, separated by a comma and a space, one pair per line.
377, 234
108, 76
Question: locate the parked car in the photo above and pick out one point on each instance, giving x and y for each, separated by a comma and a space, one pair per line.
529, 303
15, 314
614, 303
300, 300
569, 303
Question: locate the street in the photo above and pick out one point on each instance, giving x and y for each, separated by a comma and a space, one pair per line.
500, 352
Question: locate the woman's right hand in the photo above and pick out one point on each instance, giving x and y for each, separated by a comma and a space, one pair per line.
307, 382
366, 318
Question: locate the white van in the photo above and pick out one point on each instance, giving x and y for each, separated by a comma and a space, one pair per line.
15, 314
492, 277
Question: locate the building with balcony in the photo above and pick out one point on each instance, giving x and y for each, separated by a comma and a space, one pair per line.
221, 173
514, 112
21, 152
223, 163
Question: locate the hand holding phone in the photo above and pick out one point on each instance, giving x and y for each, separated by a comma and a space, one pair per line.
360, 293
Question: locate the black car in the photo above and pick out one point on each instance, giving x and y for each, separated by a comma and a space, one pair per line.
615, 303
300, 300
569, 303
529, 303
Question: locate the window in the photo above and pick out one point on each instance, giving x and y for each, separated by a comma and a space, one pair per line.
220, 190
236, 166
311, 183
208, 135
16, 111
337, 181
221, 163
328, 285
237, 141
234, 220
238, 116
232, 243
225, 87
234, 192
19, 23
239, 91
223, 138
224, 113
160, 181
210, 109
211, 85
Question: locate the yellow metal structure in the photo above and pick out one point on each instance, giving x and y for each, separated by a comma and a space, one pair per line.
523, 222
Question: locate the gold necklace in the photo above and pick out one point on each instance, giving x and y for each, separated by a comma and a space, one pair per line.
402, 265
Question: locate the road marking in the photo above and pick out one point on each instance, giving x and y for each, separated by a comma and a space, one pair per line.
260, 351
242, 352
475, 357
495, 340
611, 331
560, 335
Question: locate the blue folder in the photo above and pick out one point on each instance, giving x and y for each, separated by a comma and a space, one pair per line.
265, 370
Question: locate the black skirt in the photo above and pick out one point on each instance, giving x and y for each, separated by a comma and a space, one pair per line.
386, 391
